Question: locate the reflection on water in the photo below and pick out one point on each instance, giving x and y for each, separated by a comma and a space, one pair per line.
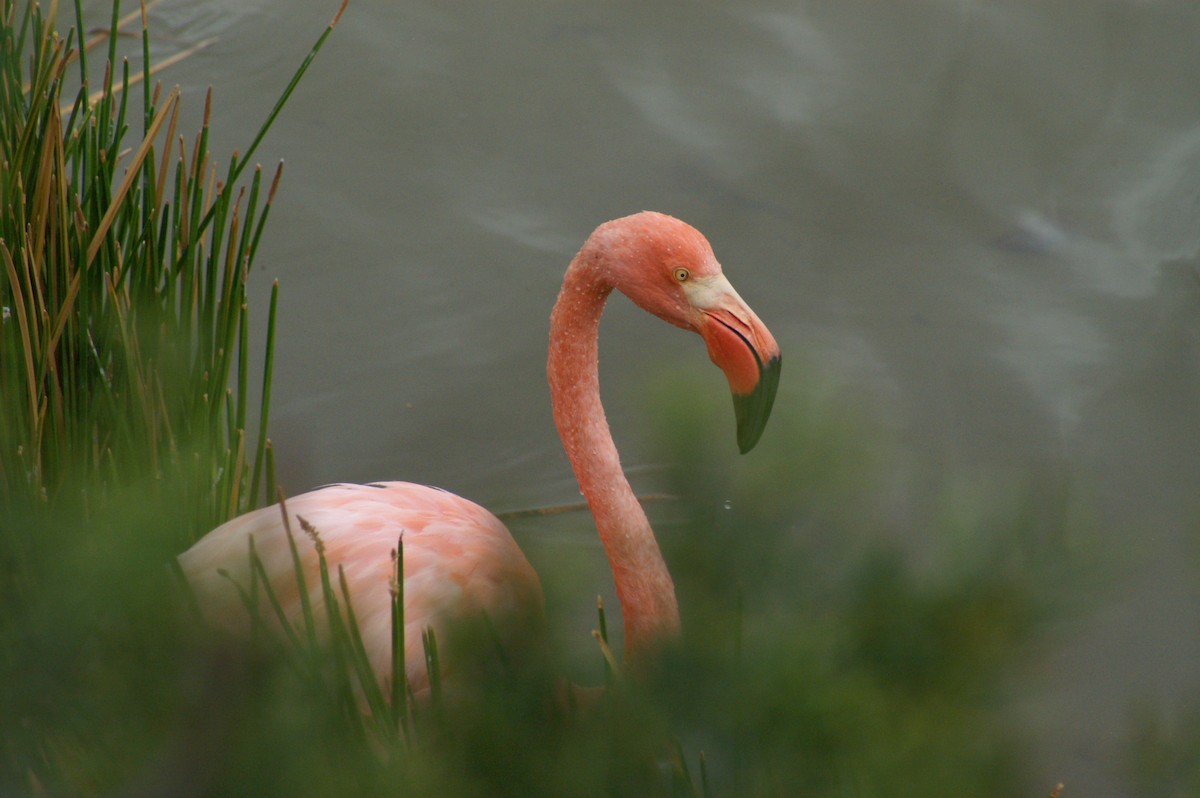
984, 217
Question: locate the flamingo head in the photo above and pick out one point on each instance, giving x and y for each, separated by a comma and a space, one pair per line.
667, 268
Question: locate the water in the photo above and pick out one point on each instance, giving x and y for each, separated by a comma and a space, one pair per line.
983, 218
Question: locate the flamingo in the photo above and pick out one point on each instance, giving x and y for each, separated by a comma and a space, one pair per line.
459, 560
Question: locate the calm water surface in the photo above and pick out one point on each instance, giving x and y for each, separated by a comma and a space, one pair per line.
981, 218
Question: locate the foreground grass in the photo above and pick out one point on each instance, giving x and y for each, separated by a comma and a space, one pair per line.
814, 662
124, 384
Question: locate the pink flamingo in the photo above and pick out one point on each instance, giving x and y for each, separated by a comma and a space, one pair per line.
459, 559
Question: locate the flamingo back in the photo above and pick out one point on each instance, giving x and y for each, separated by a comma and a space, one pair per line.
460, 563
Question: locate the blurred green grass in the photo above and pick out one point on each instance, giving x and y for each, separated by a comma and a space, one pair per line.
814, 662
833, 652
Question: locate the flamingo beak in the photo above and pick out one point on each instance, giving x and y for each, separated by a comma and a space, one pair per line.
746, 351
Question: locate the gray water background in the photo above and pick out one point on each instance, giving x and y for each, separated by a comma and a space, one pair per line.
980, 219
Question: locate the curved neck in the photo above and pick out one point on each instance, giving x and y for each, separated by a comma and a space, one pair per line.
643, 584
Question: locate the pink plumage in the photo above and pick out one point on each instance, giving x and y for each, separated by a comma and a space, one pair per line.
459, 560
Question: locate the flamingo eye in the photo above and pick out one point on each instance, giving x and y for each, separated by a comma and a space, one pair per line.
682, 274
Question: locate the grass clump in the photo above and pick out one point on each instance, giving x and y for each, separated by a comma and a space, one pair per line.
128, 423
125, 249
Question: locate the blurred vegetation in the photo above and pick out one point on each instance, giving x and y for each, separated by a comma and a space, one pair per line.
824, 655
837, 653
124, 255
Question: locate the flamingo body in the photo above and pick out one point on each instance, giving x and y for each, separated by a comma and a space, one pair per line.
459, 560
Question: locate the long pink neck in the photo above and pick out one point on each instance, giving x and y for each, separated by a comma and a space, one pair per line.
644, 585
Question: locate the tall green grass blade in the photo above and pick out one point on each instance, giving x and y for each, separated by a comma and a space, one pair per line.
261, 449
343, 679
603, 637
306, 610
113, 31
399, 675
270, 466
367, 679
610, 661
243, 364
259, 577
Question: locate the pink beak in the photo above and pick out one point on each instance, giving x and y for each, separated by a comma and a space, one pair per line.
746, 351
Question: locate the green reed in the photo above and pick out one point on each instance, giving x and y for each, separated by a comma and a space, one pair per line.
125, 250
130, 421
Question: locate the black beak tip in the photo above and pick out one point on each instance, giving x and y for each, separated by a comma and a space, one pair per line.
753, 409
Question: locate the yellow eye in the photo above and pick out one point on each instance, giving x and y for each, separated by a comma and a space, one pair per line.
681, 274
